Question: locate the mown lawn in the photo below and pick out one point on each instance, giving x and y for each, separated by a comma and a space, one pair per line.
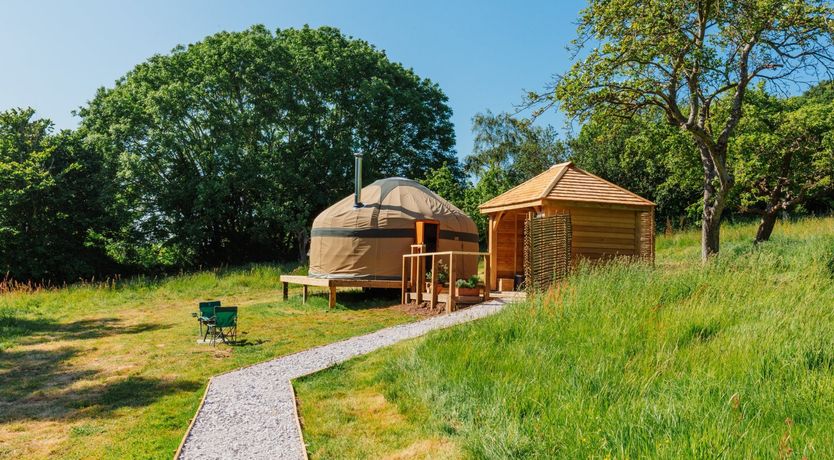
115, 372
733, 359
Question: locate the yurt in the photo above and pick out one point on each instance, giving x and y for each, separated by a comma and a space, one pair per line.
365, 235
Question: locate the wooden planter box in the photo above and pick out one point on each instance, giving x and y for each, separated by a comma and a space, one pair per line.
469, 292
440, 288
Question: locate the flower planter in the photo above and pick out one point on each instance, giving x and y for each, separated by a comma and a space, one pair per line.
469, 292
440, 288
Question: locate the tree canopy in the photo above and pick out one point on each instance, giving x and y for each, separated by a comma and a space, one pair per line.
54, 196
681, 58
227, 148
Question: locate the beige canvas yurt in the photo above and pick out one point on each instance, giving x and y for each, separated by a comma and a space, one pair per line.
368, 240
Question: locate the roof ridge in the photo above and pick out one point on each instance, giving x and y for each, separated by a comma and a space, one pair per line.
564, 168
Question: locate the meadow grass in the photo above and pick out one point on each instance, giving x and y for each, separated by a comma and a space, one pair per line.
732, 359
113, 370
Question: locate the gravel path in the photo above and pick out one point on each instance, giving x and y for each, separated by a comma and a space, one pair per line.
250, 413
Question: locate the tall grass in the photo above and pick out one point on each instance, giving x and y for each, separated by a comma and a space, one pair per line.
732, 359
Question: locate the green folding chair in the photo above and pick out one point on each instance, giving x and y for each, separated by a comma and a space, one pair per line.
224, 326
206, 315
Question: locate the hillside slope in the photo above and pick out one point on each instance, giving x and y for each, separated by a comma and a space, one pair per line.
734, 359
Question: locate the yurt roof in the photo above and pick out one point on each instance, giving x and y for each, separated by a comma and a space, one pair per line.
564, 182
393, 202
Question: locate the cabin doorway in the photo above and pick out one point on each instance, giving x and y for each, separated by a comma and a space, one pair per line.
428, 234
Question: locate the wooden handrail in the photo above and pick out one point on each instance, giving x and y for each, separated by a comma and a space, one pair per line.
447, 253
419, 269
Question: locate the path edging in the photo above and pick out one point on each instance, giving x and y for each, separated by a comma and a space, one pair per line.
292, 394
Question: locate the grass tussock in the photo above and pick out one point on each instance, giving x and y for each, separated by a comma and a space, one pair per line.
732, 359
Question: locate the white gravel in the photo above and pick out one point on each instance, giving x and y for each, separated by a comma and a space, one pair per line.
251, 414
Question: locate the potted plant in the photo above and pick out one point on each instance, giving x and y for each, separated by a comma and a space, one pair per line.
469, 287
442, 277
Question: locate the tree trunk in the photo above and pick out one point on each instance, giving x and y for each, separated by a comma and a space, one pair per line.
710, 232
303, 240
766, 225
716, 188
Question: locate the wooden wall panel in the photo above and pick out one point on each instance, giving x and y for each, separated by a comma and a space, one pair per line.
600, 233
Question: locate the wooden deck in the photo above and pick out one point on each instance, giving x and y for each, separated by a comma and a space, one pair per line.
332, 284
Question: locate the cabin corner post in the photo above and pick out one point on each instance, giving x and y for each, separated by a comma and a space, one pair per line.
487, 278
492, 249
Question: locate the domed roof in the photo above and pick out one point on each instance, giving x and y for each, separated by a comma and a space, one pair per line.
391, 203
369, 241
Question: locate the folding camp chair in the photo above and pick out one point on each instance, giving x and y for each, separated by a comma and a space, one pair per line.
206, 315
224, 325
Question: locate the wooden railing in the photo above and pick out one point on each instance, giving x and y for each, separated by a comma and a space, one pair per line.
414, 274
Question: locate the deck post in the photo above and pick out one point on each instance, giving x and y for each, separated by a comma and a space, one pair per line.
332, 301
286, 290
421, 275
433, 285
450, 302
404, 299
303, 293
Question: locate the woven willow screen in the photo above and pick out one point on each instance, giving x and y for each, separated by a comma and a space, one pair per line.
547, 253
646, 251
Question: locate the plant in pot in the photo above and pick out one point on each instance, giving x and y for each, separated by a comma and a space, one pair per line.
469, 287
442, 277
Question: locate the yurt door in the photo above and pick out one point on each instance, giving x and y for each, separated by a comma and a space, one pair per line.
428, 232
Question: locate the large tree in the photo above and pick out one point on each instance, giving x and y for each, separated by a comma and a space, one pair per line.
681, 57
783, 154
54, 196
230, 146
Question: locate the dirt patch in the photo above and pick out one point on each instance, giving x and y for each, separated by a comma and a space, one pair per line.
421, 310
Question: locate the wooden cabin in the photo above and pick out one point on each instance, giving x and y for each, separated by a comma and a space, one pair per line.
607, 220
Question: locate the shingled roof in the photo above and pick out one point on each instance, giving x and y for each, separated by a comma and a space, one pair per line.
564, 182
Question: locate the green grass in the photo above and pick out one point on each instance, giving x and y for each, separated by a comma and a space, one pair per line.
733, 359
95, 371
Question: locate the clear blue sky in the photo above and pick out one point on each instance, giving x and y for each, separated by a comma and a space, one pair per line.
55, 54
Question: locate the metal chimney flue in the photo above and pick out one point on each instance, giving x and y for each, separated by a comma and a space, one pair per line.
357, 193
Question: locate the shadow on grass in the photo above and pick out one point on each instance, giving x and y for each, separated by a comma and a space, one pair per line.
47, 330
362, 300
41, 385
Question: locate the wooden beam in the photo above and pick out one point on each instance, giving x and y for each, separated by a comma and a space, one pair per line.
404, 298
487, 277
515, 242
286, 290
421, 276
433, 286
510, 207
450, 303
304, 293
297, 279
